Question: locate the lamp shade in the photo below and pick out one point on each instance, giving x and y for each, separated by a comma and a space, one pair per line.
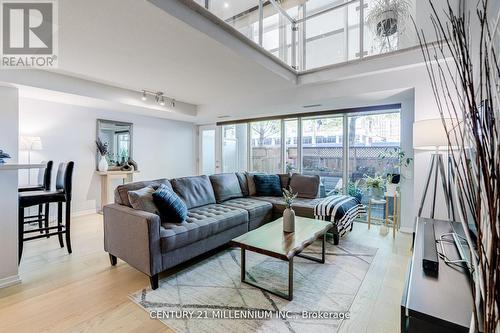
29, 143
430, 134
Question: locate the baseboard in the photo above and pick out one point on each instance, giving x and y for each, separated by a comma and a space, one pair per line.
10, 281
84, 212
407, 230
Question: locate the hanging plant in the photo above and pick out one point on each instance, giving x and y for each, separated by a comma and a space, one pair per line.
388, 17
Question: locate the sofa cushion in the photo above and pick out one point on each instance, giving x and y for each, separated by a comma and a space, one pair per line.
267, 185
202, 222
284, 179
121, 192
302, 206
194, 191
226, 186
142, 199
305, 186
170, 206
259, 212
242, 179
252, 190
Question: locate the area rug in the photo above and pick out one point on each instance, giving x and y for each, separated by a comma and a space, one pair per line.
209, 296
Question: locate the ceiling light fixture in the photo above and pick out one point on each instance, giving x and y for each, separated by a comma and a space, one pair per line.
159, 97
226, 5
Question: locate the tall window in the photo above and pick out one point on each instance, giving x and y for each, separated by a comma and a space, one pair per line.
234, 148
291, 145
322, 150
341, 149
370, 135
265, 146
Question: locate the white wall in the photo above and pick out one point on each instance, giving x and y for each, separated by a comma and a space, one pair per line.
8, 187
162, 148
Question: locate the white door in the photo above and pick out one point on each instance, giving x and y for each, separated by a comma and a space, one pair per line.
209, 152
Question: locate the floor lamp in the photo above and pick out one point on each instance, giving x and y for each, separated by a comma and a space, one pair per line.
430, 135
29, 144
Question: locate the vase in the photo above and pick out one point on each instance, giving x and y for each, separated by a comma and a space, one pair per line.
289, 220
103, 164
392, 189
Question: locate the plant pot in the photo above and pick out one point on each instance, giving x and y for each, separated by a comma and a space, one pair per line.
377, 193
388, 24
103, 164
289, 220
391, 189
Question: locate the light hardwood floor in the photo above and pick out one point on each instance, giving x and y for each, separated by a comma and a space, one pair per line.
83, 293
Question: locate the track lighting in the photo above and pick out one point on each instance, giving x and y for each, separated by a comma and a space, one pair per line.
158, 96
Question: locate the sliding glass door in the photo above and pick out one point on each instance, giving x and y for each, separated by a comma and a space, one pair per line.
322, 151
265, 146
234, 148
342, 149
370, 136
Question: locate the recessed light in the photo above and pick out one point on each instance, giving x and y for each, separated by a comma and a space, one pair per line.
226, 5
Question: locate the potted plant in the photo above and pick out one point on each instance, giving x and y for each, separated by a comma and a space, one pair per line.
375, 185
102, 148
3, 156
354, 190
399, 162
289, 214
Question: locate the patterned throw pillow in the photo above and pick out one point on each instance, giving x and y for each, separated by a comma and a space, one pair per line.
142, 199
267, 185
171, 207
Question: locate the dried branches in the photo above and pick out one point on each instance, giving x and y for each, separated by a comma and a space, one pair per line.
464, 74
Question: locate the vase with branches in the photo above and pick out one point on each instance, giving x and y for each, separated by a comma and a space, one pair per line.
103, 150
464, 74
289, 213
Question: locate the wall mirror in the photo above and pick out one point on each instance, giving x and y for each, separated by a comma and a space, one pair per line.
118, 137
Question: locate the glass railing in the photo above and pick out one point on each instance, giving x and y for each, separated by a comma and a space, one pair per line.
307, 34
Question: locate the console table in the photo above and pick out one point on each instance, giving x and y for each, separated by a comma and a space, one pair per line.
107, 178
436, 304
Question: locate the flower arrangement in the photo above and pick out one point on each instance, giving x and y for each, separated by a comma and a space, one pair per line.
289, 196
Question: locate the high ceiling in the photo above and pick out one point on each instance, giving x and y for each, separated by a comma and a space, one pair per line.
133, 44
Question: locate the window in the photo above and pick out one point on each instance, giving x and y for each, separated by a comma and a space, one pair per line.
320, 157
370, 135
340, 148
265, 146
291, 148
234, 148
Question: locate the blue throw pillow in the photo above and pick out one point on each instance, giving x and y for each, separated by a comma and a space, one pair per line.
268, 185
171, 207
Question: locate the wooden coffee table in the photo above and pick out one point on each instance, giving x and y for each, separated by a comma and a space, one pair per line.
270, 240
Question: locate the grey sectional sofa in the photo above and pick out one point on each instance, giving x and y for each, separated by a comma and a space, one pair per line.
220, 208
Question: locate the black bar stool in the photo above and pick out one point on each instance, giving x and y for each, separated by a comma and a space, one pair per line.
44, 183
61, 195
